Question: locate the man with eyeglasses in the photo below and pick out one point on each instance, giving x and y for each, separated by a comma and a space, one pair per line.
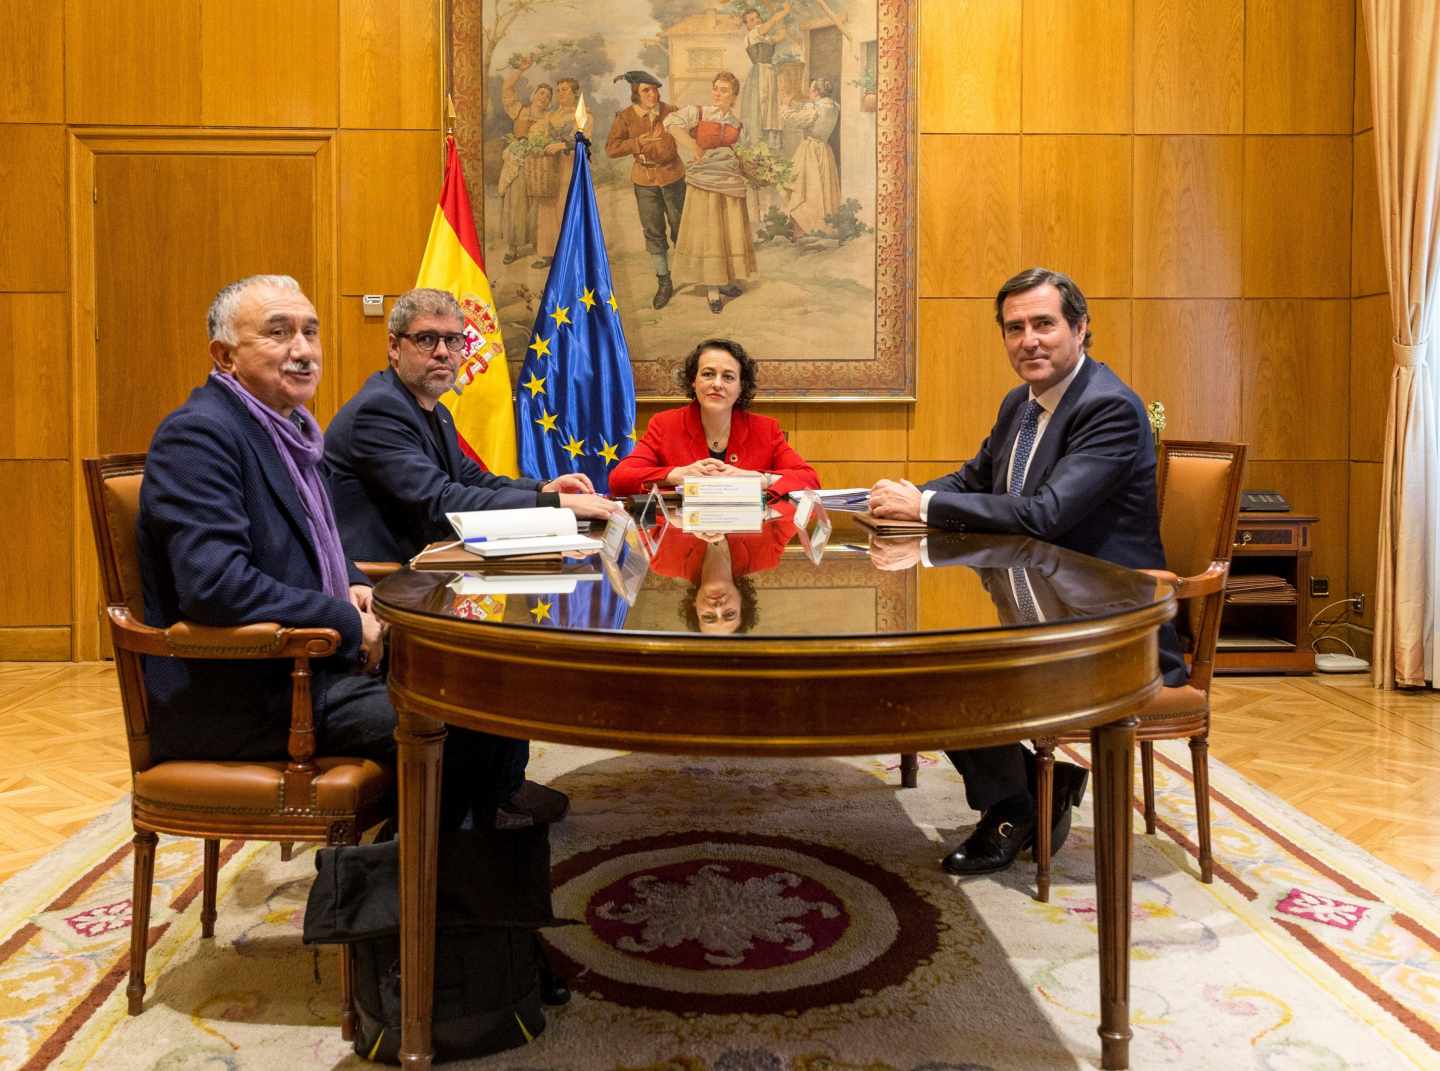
393, 459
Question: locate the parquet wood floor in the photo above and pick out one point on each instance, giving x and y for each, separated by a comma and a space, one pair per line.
1363, 762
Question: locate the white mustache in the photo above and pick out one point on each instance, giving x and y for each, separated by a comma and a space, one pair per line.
299, 367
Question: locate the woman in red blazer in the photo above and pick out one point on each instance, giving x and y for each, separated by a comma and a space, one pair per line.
716, 434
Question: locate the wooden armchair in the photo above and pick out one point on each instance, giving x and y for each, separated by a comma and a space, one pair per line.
1199, 495
330, 799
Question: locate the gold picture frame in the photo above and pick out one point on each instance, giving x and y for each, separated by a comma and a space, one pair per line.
830, 308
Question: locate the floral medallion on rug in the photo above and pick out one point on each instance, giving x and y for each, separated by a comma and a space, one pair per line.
747, 915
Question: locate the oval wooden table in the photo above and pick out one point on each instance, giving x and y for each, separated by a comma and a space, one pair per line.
964, 641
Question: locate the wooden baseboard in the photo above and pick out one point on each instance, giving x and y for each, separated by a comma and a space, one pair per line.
35, 644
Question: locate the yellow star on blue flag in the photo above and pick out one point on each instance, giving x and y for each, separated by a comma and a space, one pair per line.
577, 382
540, 611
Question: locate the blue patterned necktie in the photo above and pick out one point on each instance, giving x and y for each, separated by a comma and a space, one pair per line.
1024, 443
1024, 600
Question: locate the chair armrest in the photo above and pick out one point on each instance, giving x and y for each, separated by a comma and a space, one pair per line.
1193, 587
185, 639
377, 571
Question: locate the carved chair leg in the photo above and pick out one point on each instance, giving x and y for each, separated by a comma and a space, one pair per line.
140, 917
1147, 775
287, 851
909, 770
1044, 795
212, 873
1200, 762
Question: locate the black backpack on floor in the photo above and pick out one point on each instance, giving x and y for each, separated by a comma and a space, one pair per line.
490, 970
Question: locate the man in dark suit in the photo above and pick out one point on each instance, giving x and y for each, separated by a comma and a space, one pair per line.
1070, 461
393, 460
236, 527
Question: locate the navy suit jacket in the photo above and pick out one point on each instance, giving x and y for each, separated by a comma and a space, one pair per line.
1090, 486
392, 484
222, 540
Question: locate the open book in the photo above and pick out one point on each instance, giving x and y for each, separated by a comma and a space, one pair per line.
503, 532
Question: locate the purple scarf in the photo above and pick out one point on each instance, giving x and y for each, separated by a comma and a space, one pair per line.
301, 452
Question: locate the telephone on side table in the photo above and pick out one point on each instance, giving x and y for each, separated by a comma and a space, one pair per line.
1263, 502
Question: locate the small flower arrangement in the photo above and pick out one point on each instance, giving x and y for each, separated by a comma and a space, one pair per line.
762, 168
1156, 412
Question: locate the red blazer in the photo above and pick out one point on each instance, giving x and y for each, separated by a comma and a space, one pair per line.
675, 438
682, 554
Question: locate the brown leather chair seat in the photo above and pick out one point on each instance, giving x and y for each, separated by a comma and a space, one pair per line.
342, 786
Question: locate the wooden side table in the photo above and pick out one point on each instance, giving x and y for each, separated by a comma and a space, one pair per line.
1269, 637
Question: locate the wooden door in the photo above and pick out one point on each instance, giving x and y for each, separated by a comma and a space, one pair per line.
170, 230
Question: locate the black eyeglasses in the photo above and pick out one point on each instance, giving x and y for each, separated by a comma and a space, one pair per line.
426, 341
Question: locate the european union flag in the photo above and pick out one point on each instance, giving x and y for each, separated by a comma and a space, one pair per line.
575, 410
594, 604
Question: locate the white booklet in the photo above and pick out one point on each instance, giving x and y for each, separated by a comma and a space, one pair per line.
500, 532
519, 583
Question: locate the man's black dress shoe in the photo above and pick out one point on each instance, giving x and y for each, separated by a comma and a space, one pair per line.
531, 805
997, 840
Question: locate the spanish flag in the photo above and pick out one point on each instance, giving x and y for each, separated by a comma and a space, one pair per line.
480, 399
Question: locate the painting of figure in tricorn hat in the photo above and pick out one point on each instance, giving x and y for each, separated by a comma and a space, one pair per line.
734, 155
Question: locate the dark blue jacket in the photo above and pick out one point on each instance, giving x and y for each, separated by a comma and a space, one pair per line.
392, 484
223, 541
1090, 486
1091, 483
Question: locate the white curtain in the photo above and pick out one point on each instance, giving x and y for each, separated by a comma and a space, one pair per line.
1404, 39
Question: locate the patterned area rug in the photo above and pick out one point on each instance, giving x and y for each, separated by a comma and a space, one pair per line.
752, 916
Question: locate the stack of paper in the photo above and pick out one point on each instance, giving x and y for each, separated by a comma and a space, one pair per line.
504, 532
841, 499
1259, 590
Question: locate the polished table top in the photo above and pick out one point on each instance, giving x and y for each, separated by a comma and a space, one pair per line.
763, 585
770, 644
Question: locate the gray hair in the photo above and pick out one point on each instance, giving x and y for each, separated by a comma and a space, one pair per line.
422, 301
220, 320
1073, 305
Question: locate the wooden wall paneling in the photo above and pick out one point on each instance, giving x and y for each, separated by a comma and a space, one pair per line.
1299, 64
37, 592
1297, 216
1187, 355
294, 85
362, 348
157, 268
919, 472
35, 644
964, 372
1075, 209
32, 208
855, 473
1296, 379
1372, 366
1189, 66
1367, 243
1188, 216
786, 414
982, 94
1364, 119
1077, 67
32, 62
389, 182
34, 377
969, 213
1363, 543
850, 432
136, 62
89, 640
379, 38
1321, 488
1111, 322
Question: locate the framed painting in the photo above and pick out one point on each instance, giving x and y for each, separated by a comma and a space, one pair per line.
754, 165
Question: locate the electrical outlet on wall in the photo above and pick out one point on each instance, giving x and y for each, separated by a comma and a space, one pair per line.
1319, 586
1357, 604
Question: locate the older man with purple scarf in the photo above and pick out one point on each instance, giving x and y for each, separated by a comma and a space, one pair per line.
236, 527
